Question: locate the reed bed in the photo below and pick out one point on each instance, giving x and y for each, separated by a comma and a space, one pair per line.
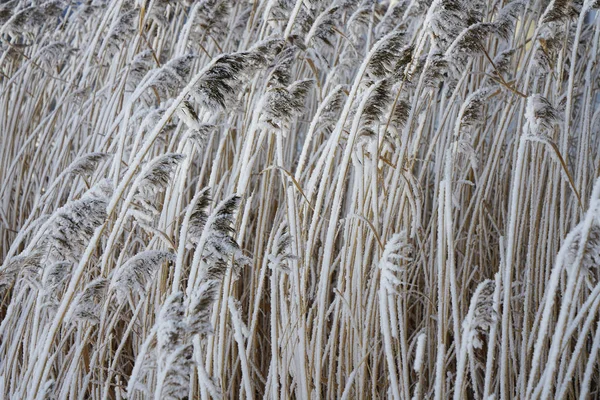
309, 199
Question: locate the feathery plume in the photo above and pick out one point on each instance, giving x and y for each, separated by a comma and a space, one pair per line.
397, 250
171, 326
28, 264
591, 252
121, 31
55, 54
155, 177
199, 308
281, 104
471, 111
219, 244
55, 276
377, 102
199, 215
323, 27
469, 42
436, 71
74, 224
400, 114
220, 83
560, 10
136, 273
481, 314
86, 164
384, 59
139, 67
540, 114
174, 350
87, 305
505, 22
173, 75
281, 70
28, 19
281, 254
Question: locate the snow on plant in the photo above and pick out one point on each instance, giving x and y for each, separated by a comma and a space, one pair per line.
299, 199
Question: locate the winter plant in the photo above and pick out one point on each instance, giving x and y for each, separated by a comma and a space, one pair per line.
299, 199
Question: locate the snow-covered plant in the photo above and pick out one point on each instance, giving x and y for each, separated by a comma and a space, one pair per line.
311, 199
281, 257
397, 250
86, 164
281, 103
21, 266
540, 115
479, 319
217, 240
74, 224
137, 272
156, 175
87, 305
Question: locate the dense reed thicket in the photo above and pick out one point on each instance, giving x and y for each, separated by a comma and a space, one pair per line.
310, 199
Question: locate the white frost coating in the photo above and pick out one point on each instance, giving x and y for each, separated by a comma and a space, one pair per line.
268, 151
420, 353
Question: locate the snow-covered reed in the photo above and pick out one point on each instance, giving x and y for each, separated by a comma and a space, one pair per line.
299, 199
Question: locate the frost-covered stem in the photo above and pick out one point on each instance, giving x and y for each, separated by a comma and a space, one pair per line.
567, 298
42, 367
418, 365
274, 339
187, 28
581, 341
323, 283
204, 380
41, 372
174, 193
126, 113
462, 360
140, 360
590, 366
311, 132
527, 303
512, 234
183, 235
12, 308
69, 377
292, 19
122, 344
440, 366
450, 260
260, 286
404, 351
296, 284
384, 320
239, 338
470, 324
569, 99
266, 13
551, 288
490, 358
116, 230
348, 387
587, 5
591, 303
245, 166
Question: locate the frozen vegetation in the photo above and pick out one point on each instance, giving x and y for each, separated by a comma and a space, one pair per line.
299, 199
